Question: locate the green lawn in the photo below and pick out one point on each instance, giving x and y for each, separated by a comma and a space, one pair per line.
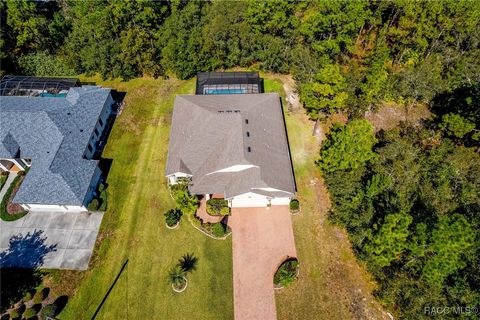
134, 226
331, 285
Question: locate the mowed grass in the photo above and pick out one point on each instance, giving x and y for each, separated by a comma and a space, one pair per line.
133, 227
332, 284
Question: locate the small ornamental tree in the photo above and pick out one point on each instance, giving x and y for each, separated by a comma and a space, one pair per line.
29, 313
349, 147
172, 217
49, 311
177, 278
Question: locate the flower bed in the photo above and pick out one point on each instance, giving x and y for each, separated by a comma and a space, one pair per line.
218, 207
172, 218
219, 230
11, 211
286, 273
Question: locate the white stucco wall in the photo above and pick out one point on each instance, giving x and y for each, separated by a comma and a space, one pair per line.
54, 208
280, 201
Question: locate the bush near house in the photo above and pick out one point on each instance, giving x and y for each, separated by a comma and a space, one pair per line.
49, 311
172, 217
9, 211
29, 313
287, 273
217, 207
185, 201
100, 202
294, 205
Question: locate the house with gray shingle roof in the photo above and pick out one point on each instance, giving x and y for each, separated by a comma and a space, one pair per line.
57, 137
233, 145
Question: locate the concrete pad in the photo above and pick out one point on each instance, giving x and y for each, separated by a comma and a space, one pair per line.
88, 220
54, 259
38, 220
57, 237
62, 221
82, 239
76, 259
50, 240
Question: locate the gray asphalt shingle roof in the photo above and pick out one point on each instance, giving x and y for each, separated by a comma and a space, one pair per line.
214, 132
53, 133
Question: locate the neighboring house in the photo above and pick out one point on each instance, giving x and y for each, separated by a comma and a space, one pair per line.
232, 145
57, 135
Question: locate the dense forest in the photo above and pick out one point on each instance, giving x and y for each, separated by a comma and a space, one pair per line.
409, 197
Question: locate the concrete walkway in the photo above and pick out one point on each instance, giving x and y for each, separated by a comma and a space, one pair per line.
49, 240
11, 177
262, 240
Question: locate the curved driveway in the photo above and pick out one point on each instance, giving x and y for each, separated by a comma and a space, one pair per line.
262, 240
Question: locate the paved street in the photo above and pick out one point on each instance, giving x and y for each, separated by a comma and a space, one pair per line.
49, 240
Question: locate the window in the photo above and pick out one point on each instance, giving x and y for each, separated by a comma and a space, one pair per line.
90, 147
248, 134
249, 149
100, 121
246, 121
96, 132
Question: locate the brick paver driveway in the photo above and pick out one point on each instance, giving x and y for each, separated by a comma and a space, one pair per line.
50, 240
262, 240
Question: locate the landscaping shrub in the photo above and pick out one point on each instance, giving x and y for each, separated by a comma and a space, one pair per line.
40, 295
15, 314
6, 198
287, 273
49, 311
294, 205
93, 205
218, 229
217, 207
185, 201
172, 217
29, 313
27, 297
103, 200
176, 276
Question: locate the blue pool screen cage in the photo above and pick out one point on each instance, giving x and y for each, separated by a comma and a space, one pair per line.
228, 83
36, 86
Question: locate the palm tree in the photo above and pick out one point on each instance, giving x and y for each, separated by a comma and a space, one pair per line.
177, 277
188, 262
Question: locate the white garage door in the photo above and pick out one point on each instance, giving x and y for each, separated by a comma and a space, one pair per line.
249, 200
